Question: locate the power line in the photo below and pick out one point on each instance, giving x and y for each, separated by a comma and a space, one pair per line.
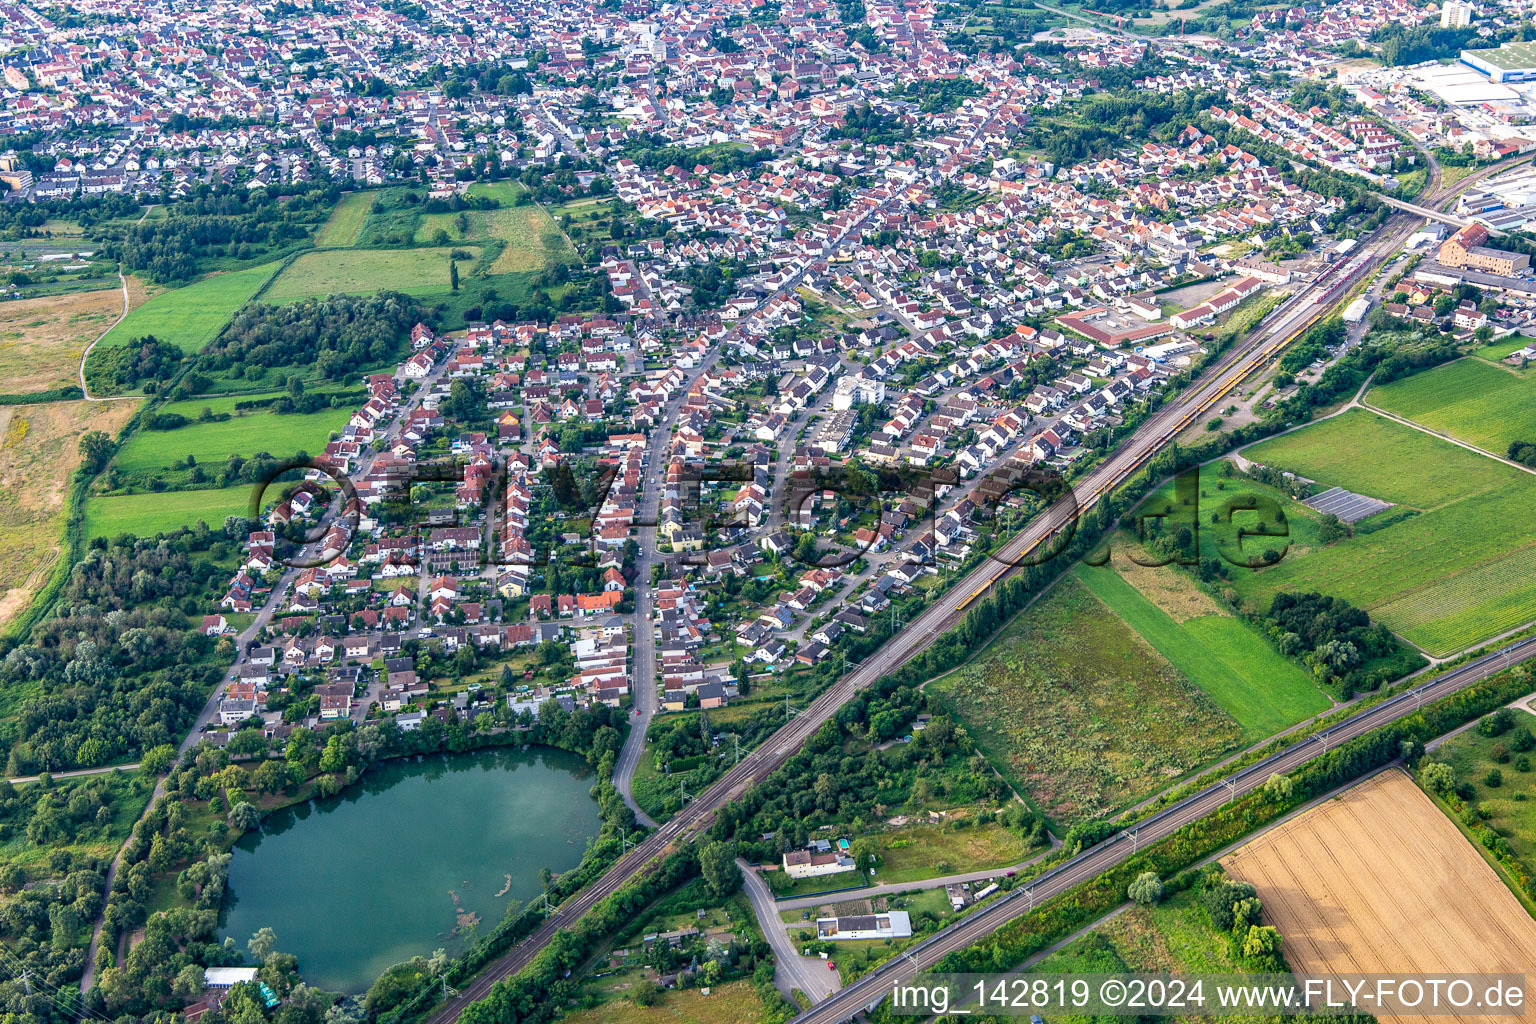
71, 1005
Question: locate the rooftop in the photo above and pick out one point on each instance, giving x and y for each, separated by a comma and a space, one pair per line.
1509, 57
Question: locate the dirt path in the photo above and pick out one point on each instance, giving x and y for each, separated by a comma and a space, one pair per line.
85, 391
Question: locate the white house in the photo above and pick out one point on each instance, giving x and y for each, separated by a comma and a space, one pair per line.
895, 924
805, 864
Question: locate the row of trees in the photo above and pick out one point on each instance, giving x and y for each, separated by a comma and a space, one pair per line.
241, 225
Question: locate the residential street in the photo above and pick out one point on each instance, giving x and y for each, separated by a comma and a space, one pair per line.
809, 974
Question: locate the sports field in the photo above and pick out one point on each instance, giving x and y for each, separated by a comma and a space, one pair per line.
346, 221
1080, 712
1264, 691
148, 514
1452, 566
363, 272
192, 316
39, 449
1472, 400
211, 443
1378, 881
41, 339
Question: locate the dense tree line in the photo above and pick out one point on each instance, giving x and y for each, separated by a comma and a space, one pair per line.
332, 336
123, 367
1523, 452
26, 220
118, 669
1401, 45
239, 225
1110, 121
1330, 635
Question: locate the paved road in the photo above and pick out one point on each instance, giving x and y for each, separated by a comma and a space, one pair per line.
792, 971
892, 888
17, 780
644, 679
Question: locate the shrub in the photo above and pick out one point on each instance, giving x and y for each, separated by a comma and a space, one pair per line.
1147, 889
1497, 723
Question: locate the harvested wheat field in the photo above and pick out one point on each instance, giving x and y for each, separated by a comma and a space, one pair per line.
42, 339
1379, 881
39, 449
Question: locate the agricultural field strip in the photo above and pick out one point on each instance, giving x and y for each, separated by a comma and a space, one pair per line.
1419, 574
150, 513
192, 316
1103, 856
1084, 715
1332, 879
363, 271
1258, 687
245, 435
346, 222
1480, 403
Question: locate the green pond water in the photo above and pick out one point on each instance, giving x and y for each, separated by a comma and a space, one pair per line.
390, 868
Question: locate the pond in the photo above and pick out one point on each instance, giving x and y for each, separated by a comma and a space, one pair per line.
422, 853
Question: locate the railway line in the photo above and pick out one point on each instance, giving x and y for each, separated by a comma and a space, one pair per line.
1098, 859
1289, 320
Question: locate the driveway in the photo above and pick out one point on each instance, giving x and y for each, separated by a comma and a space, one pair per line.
809, 974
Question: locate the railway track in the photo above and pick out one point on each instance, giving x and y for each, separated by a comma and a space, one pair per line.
1288, 321
1098, 859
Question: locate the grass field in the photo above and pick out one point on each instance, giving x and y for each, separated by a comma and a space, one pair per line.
1173, 937
1379, 881
1472, 400
192, 316
148, 514
1264, 691
1082, 714
1452, 566
927, 851
1495, 351
193, 407
530, 237
346, 221
363, 272
39, 449
41, 339
732, 1003
211, 443
1511, 806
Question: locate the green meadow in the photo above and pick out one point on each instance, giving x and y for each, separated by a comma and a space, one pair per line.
346, 222
213, 442
1080, 713
1453, 565
365, 271
145, 515
190, 317
1264, 691
1482, 403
